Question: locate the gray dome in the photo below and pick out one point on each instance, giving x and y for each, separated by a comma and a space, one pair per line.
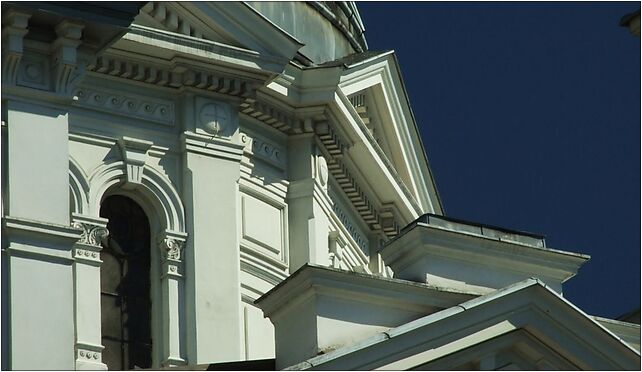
330, 30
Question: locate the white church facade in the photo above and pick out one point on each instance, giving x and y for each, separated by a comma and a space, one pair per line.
243, 184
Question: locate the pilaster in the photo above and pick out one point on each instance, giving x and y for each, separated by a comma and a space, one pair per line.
308, 225
171, 245
87, 313
212, 155
37, 261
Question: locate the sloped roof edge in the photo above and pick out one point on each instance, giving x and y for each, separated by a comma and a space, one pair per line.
383, 337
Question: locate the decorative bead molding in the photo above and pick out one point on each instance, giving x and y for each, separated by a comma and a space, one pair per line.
263, 149
161, 111
14, 28
89, 353
134, 152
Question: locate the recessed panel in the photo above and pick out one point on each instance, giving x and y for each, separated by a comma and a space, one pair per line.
262, 224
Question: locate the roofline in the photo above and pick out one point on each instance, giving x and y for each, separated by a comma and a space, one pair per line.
446, 313
421, 142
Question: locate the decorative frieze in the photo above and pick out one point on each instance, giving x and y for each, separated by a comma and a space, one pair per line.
264, 149
175, 76
349, 226
157, 110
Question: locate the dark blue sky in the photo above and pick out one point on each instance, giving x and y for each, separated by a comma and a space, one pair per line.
530, 115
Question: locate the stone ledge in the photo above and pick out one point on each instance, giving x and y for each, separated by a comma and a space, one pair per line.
451, 253
318, 309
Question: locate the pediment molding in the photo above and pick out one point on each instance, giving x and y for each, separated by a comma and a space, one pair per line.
375, 90
233, 24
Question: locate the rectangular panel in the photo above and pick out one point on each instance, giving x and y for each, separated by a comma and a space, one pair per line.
262, 224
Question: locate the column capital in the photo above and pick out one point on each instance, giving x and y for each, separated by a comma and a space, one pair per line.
171, 244
94, 229
94, 232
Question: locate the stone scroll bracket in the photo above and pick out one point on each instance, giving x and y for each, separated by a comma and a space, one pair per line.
14, 28
67, 66
134, 153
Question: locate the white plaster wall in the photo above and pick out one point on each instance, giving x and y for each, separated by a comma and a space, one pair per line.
42, 330
38, 162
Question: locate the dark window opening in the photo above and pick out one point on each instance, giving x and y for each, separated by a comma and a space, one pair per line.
125, 286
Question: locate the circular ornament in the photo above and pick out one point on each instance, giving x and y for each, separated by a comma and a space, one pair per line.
323, 170
214, 118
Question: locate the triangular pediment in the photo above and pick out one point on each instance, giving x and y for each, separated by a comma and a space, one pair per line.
375, 88
232, 24
173, 17
523, 326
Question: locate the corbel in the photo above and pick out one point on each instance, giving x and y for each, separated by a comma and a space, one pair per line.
67, 66
14, 28
134, 153
387, 219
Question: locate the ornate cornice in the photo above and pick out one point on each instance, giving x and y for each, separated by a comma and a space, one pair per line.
174, 74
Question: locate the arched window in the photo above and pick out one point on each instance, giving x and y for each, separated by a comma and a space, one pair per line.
125, 286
